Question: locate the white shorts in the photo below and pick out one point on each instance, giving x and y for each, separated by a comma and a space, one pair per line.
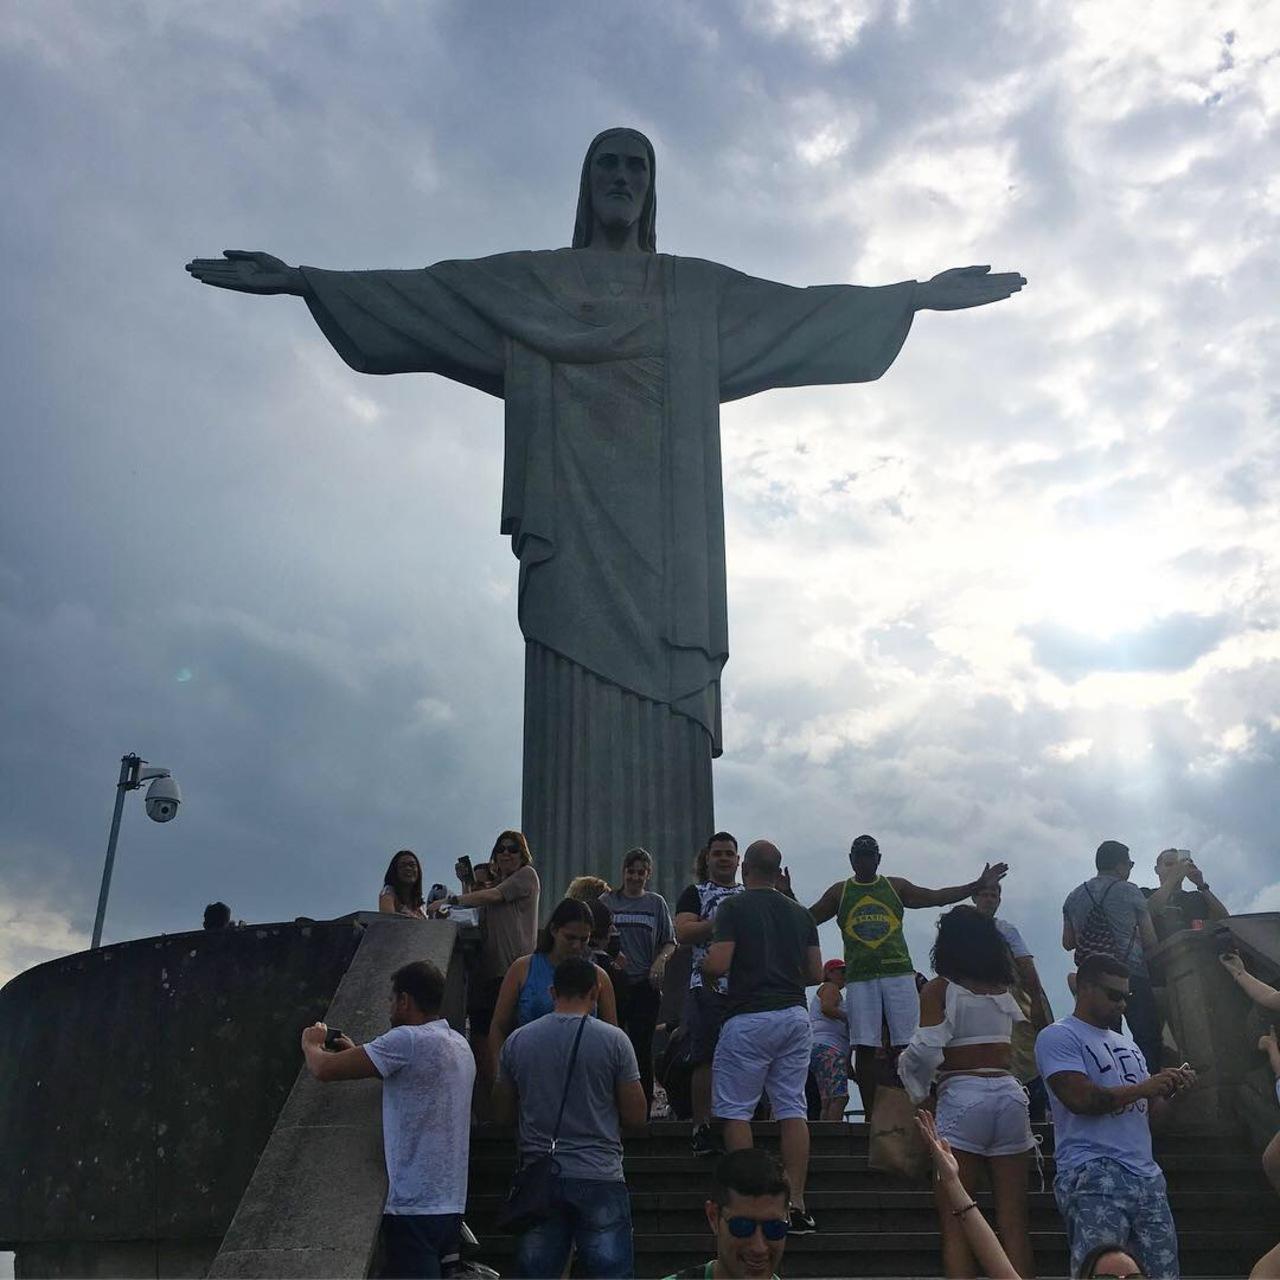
984, 1115
762, 1053
877, 1000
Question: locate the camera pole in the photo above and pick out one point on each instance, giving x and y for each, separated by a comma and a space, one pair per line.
129, 766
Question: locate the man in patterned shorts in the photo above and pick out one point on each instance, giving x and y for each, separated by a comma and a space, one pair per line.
1108, 1187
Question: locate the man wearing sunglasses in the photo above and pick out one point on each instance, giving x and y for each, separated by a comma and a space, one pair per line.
748, 1216
1108, 1186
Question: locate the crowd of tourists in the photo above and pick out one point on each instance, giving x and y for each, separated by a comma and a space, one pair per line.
569, 1024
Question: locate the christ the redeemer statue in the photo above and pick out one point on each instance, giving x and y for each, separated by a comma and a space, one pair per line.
613, 361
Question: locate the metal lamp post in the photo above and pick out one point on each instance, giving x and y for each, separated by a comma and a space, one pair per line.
163, 799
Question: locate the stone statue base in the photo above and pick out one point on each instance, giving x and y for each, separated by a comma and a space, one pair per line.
605, 770
1210, 1016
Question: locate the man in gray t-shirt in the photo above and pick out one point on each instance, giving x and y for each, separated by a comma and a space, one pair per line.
1109, 897
604, 1095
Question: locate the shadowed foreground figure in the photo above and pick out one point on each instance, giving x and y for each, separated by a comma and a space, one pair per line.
613, 360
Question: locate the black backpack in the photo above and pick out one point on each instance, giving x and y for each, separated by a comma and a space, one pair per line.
1096, 935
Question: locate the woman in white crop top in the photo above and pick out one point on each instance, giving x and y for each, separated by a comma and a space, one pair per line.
966, 1020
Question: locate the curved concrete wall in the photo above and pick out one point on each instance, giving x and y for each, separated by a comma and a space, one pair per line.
141, 1082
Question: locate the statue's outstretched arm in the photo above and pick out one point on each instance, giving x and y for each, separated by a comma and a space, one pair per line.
248, 272
963, 287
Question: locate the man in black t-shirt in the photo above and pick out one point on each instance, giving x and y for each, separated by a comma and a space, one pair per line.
1171, 906
768, 945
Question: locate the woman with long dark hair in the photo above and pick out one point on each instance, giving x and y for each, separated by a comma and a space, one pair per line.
525, 993
402, 886
967, 1014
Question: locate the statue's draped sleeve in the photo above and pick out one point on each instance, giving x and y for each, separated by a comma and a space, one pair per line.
775, 335
405, 322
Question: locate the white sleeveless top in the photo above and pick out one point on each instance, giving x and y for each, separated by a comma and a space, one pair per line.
827, 1030
970, 1017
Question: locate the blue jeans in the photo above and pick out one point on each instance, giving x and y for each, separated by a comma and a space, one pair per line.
1103, 1203
595, 1217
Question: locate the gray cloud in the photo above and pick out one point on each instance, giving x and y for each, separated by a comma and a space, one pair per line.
1171, 644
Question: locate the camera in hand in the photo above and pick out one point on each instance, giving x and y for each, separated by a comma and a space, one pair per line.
1224, 940
331, 1038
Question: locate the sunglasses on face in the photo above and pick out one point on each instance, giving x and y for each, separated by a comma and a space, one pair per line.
1114, 995
743, 1228
508, 848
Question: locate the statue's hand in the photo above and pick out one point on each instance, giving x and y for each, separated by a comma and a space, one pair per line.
247, 272
963, 287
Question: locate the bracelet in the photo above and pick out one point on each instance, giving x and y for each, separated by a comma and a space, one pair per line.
959, 1213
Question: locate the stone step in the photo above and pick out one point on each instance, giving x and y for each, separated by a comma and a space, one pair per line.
1203, 1253
681, 1212
846, 1173
668, 1138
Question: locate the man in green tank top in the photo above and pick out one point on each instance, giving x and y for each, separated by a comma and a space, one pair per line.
880, 984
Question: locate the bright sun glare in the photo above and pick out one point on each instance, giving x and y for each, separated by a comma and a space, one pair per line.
1098, 583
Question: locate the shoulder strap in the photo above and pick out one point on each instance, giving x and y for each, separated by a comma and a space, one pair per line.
568, 1077
1097, 902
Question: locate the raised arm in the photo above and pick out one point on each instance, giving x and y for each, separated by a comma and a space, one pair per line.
913, 895
1217, 909
1257, 990
248, 271
349, 1062
826, 906
977, 1230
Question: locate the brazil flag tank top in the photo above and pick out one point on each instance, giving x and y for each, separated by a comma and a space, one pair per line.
870, 919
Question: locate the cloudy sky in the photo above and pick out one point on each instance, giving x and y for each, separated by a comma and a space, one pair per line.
1017, 597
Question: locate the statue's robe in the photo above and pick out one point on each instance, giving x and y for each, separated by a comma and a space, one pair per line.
612, 367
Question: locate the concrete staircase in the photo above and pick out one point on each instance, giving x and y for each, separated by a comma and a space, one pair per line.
874, 1225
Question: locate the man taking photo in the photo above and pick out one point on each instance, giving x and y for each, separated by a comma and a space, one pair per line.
1108, 1186
427, 1074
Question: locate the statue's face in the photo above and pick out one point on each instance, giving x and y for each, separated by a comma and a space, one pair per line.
620, 181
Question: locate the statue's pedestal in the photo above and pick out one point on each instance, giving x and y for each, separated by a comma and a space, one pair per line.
1209, 1017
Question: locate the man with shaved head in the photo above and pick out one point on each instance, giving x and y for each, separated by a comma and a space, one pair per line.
768, 945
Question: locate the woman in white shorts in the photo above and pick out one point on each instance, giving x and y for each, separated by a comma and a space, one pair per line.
966, 1019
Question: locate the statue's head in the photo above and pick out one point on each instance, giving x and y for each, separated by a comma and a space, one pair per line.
618, 188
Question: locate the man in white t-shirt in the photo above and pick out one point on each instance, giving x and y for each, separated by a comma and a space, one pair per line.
1108, 1187
427, 1074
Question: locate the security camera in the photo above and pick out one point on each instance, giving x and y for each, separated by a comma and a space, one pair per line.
163, 799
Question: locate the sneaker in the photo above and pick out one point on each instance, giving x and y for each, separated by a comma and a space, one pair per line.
704, 1143
802, 1223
